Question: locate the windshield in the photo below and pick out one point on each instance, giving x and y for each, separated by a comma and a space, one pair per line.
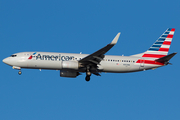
13, 55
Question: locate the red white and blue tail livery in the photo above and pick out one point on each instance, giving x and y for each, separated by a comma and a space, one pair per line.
161, 47
72, 65
158, 50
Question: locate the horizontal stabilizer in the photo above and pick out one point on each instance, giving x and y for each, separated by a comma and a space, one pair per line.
166, 58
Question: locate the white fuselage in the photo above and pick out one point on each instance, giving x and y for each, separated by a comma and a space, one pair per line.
71, 65
54, 61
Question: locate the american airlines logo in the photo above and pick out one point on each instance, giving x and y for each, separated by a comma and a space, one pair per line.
53, 57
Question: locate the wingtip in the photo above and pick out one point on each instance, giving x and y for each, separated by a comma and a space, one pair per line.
114, 41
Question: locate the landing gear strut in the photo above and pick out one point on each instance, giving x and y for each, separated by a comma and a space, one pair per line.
88, 74
19, 72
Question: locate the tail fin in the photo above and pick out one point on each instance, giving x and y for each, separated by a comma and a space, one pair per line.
161, 47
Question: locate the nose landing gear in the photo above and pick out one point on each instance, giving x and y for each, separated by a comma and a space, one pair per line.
19, 72
17, 68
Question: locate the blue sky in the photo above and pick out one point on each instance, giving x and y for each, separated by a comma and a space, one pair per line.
86, 26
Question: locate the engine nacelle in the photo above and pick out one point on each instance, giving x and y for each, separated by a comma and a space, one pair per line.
70, 65
66, 73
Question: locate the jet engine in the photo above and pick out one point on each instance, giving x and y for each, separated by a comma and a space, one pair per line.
70, 65
66, 73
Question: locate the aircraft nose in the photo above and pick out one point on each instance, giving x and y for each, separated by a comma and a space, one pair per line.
6, 60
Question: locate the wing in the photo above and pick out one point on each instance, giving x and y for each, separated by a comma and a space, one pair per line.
96, 57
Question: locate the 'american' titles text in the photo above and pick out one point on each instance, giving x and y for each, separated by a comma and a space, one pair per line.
53, 57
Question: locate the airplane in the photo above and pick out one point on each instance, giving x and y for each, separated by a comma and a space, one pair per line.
71, 64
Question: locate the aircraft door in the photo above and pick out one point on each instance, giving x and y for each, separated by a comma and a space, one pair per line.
141, 63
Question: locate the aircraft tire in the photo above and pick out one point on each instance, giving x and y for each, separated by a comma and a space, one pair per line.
87, 78
19, 72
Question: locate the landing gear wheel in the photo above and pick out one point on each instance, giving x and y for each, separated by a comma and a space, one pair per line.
87, 78
19, 72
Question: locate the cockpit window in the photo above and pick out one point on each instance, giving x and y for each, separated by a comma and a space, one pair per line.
13, 55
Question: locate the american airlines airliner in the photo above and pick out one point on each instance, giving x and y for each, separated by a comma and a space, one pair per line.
72, 65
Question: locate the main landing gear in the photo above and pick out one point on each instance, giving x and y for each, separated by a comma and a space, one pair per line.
88, 74
87, 78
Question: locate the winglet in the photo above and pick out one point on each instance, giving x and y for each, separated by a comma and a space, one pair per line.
115, 39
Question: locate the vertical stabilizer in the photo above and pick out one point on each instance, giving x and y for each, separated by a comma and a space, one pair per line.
161, 47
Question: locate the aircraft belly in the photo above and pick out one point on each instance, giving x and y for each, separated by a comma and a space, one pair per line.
43, 64
116, 67
150, 66
139, 67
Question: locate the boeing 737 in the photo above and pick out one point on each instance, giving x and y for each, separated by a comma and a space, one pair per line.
72, 65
